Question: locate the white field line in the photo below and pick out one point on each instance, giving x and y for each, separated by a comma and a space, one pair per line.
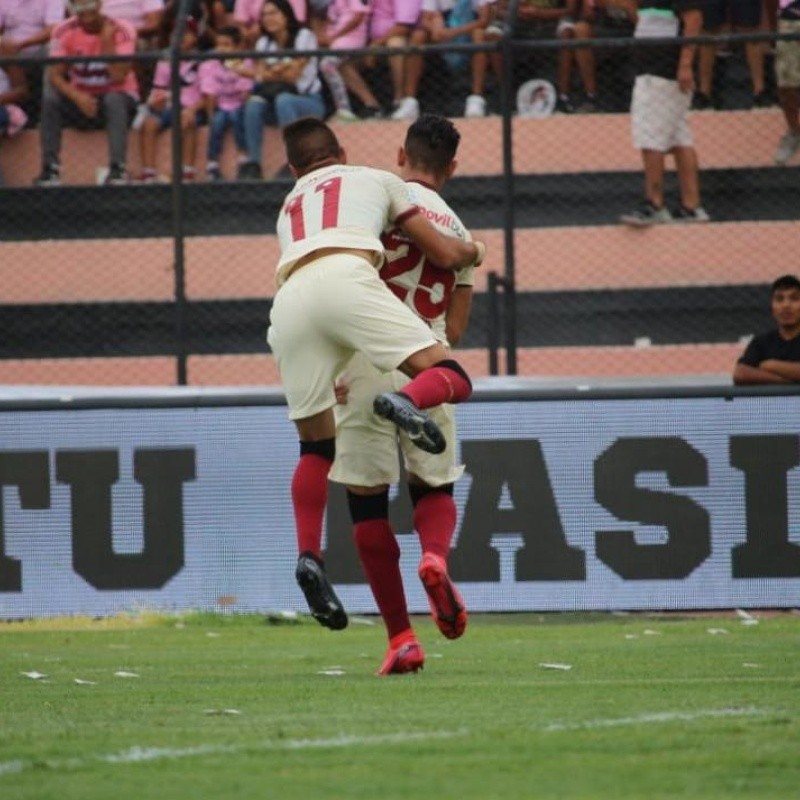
137, 755
653, 719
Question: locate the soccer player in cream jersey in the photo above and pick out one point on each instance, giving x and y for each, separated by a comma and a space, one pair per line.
331, 304
367, 446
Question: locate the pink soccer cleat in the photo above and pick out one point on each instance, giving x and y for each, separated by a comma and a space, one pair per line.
405, 654
447, 606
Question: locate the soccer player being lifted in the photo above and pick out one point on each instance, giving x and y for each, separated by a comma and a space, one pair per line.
331, 304
367, 446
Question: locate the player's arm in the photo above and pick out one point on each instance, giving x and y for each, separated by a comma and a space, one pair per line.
446, 252
746, 375
458, 312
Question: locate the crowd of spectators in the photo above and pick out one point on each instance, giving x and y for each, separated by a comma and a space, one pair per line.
247, 93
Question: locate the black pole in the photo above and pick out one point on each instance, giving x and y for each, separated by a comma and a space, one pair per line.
507, 102
177, 192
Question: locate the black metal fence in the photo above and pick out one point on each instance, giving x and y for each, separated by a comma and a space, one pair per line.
171, 282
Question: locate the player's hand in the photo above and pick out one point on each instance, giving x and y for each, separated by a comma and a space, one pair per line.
342, 392
481, 248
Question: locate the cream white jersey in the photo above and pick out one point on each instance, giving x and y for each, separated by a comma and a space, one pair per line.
425, 288
340, 206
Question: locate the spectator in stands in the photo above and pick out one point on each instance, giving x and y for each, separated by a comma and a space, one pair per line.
285, 89
25, 29
211, 16
89, 92
144, 15
564, 20
346, 28
774, 356
13, 91
443, 21
662, 95
391, 25
787, 76
225, 87
160, 114
745, 17
247, 15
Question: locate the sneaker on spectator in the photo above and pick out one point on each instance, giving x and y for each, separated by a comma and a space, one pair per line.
762, 100
249, 171
684, 214
564, 104
588, 105
213, 172
405, 654
370, 112
187, 173
701, 102
646, 215
475, 107
50, 176
787, 147
141, 115
344, 115
117, 175
407, 109
148, 175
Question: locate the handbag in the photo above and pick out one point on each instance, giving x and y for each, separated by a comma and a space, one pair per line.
269, 90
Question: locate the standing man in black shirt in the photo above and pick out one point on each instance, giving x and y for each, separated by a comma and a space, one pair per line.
662, 96
774, 356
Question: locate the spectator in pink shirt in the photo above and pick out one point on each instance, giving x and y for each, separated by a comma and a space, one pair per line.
347, 28
225, 90
13, 91
160, 112
391, 26
144, 15
25, 29
247, 15
93, 92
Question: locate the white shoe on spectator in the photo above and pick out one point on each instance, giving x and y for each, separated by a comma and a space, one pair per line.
141, 115
345, 115
476, 106
408, 109
787, 147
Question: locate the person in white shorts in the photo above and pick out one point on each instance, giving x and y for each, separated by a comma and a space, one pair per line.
331, 304
367, 446
662, 96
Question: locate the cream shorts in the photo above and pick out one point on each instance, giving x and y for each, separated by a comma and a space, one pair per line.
325, 312
367, 446
787, 56
660, 114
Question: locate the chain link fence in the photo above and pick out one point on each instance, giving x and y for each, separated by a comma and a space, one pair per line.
170, 282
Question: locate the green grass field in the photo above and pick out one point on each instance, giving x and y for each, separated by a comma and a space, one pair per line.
652, 707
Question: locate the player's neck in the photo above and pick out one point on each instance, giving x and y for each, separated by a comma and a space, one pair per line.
425, 178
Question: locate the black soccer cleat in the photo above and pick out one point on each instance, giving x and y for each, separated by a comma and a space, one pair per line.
419, 427
326, 608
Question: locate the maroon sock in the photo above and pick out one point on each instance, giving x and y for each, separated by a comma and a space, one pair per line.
380, 557
437, 385
309, 498
435, 522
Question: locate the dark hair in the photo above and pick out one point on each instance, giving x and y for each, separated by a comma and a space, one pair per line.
431, 143
292, 25
167, 23
232, 32
309, 140
785, 282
